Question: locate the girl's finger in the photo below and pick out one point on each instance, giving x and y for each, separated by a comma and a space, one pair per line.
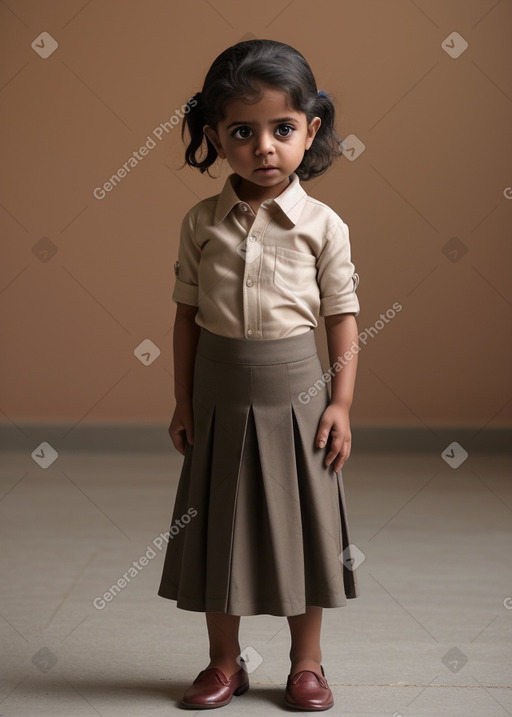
324, 429
323, 435
343, 455
339, 463
331, 455
179, 446
334, 448
178, 439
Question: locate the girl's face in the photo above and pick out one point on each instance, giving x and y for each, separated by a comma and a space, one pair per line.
263, 142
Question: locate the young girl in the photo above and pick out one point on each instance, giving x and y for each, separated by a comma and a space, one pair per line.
259, 522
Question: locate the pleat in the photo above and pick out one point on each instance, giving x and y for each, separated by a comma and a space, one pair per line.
325, 529
268, 561
225, 471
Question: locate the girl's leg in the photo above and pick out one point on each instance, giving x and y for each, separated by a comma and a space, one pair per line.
305, 651
224, 645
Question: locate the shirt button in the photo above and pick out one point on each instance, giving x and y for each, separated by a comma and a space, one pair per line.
248, 282
249, 333
252, 237
244, 207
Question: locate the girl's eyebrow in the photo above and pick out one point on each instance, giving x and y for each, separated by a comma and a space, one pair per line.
274, 121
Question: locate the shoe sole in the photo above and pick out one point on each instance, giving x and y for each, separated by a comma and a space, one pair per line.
308, 709
190, 706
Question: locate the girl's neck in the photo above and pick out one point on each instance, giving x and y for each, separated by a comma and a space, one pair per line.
254, 195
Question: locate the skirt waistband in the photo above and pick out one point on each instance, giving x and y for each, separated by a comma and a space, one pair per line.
257, 352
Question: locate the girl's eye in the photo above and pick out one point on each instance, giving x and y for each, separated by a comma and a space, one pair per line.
284, 130
242, 133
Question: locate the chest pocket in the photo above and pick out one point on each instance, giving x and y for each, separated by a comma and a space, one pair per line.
295, 274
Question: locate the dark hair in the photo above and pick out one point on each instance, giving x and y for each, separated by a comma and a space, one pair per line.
239, 72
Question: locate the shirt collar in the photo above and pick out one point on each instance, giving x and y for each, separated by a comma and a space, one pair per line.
290, 201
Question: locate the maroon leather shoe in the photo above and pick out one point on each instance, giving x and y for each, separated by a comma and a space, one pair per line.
212, 688
309, 692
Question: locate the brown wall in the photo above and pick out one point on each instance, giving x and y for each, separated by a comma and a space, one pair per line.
437, 163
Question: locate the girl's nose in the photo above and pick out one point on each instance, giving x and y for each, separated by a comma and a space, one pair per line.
264, 145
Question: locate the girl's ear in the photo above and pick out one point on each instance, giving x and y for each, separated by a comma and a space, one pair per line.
214, 139
313, 128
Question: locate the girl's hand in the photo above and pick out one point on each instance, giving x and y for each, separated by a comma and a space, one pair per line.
181, 429
334, 432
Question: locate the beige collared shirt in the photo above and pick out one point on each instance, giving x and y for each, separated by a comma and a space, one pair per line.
266, 275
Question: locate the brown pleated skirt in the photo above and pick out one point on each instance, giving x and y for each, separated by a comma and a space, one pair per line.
259, 523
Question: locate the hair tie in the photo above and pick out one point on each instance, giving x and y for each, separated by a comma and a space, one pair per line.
321, 93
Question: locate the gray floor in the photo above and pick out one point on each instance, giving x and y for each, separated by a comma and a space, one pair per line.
430, 635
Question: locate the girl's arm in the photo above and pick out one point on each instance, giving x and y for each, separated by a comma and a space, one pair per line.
185, 337
341, 337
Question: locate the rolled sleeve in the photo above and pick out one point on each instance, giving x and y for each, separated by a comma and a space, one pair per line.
186, 268
336, 273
